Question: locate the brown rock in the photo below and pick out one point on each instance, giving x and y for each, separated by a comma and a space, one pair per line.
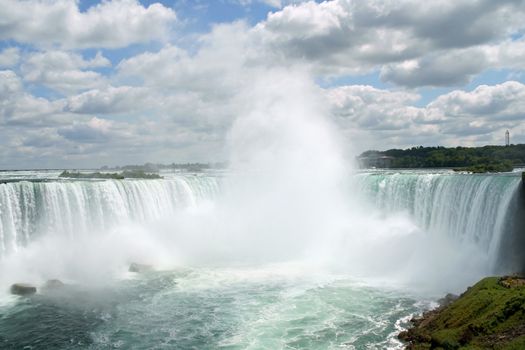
22, 289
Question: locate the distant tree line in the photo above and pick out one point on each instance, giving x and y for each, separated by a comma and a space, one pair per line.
126, 174
477, 159
152, 167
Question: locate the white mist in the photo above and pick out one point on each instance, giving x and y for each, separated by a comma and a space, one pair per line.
287, 198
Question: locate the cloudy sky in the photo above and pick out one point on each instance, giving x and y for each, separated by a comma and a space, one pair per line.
88, 83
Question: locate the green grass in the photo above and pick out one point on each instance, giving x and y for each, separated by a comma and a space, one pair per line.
487, 316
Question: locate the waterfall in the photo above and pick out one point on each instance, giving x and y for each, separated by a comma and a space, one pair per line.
29, 209
479, 210
470, 208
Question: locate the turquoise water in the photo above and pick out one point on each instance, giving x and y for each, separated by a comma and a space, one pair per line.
210, 309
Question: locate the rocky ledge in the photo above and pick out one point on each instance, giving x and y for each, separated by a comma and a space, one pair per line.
489, 315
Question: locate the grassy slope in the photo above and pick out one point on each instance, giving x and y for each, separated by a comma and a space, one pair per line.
489, 315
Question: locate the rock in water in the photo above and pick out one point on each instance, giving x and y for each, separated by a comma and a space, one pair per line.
23, 289
134, 267
53, 284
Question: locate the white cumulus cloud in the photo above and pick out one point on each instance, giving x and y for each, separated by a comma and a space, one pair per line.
110, 24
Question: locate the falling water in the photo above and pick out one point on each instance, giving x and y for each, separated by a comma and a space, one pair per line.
470, 209
68, 208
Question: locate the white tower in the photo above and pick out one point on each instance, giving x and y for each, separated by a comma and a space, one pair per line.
507, 138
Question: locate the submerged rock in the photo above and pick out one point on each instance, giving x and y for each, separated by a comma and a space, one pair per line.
53, 284
23, 289
135, 267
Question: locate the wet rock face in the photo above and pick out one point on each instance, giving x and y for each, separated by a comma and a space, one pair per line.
447, 299
138, 268
22, 289
511, 281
